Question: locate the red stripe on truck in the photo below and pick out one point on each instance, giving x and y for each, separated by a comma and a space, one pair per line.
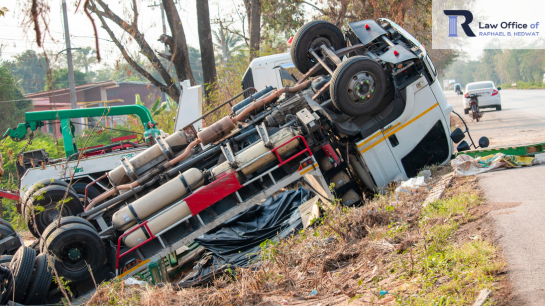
212, 193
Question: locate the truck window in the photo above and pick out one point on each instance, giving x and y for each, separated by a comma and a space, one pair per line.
432, 149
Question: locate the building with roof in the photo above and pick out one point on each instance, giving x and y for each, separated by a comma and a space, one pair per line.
107, 93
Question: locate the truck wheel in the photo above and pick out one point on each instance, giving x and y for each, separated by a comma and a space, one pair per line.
92, 192
311, 36
41, 184
358, 86
75, 246
21, 267
41, 280
4, 233
49, 199
64, 221
6, 223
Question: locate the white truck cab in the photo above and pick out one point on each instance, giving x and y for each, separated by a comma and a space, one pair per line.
409, 134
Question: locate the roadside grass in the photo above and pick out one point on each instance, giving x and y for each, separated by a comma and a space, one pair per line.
390, 251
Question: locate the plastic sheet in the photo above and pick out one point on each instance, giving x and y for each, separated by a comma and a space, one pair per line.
237, 242
465, 165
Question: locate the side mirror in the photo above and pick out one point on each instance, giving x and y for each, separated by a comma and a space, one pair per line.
463, 146
457, 135
499, 88
484, 142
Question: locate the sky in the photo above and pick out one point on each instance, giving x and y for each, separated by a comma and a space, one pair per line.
18, 37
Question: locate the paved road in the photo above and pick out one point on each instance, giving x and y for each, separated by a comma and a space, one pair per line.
522, 225
521, 120
521, 228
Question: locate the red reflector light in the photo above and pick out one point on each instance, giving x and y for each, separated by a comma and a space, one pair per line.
290, 40
396, 53
466, 95
494, 92
367, 27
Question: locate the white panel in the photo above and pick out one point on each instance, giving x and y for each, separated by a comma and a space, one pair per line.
190, 108
381, 163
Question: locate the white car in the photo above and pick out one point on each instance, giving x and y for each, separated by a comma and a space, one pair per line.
489, 95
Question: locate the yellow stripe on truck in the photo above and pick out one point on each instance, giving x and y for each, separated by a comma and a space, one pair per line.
134, 268
400, 128
309, 168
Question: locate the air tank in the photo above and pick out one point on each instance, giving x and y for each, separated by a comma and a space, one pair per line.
259, 149
177, 141
157, 199
175, 213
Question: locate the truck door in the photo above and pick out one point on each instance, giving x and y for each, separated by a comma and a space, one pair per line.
379, 159
419, 137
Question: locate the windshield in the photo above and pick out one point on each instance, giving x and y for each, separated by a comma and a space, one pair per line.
480, 86
406, 34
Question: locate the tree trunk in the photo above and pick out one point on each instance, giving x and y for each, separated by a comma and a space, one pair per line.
207, 48
342, 13
253, 10
177, 43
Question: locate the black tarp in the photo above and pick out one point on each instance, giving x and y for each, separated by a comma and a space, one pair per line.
236, 243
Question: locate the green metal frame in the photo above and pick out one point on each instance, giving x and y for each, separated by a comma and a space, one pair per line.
520, 150
34, 120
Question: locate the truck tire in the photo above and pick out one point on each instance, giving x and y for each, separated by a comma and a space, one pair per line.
41, 280
4, 233
21, 267
75, 246
310, 36
39, 185
49, 199
6, 223
358, 86
92, 192
64, 221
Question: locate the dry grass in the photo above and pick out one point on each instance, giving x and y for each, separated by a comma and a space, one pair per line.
384, 252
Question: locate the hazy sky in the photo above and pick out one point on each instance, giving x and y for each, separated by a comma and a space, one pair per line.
18, 38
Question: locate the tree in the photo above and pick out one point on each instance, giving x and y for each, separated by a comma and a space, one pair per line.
31, 69
11, 113
83, 59
196, 64
253, 11
59, 79
207, 47
176, 43
227, 42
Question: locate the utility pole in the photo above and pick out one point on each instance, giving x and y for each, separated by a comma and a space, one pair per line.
71, 81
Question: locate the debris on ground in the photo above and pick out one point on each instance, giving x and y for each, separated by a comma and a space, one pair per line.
465, 165
376, 253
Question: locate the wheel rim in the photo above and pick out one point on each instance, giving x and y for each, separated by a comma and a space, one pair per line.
51, 214
315, 45
74, 256
361, 87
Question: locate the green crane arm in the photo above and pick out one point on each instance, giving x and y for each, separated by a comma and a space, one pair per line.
34, 120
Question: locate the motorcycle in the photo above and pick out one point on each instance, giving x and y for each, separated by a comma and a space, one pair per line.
474, 106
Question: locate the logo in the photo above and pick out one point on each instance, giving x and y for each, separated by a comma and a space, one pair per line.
453, 22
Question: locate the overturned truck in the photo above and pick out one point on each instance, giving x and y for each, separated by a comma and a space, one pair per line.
368, 108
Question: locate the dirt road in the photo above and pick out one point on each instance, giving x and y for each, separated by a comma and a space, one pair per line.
521, 120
